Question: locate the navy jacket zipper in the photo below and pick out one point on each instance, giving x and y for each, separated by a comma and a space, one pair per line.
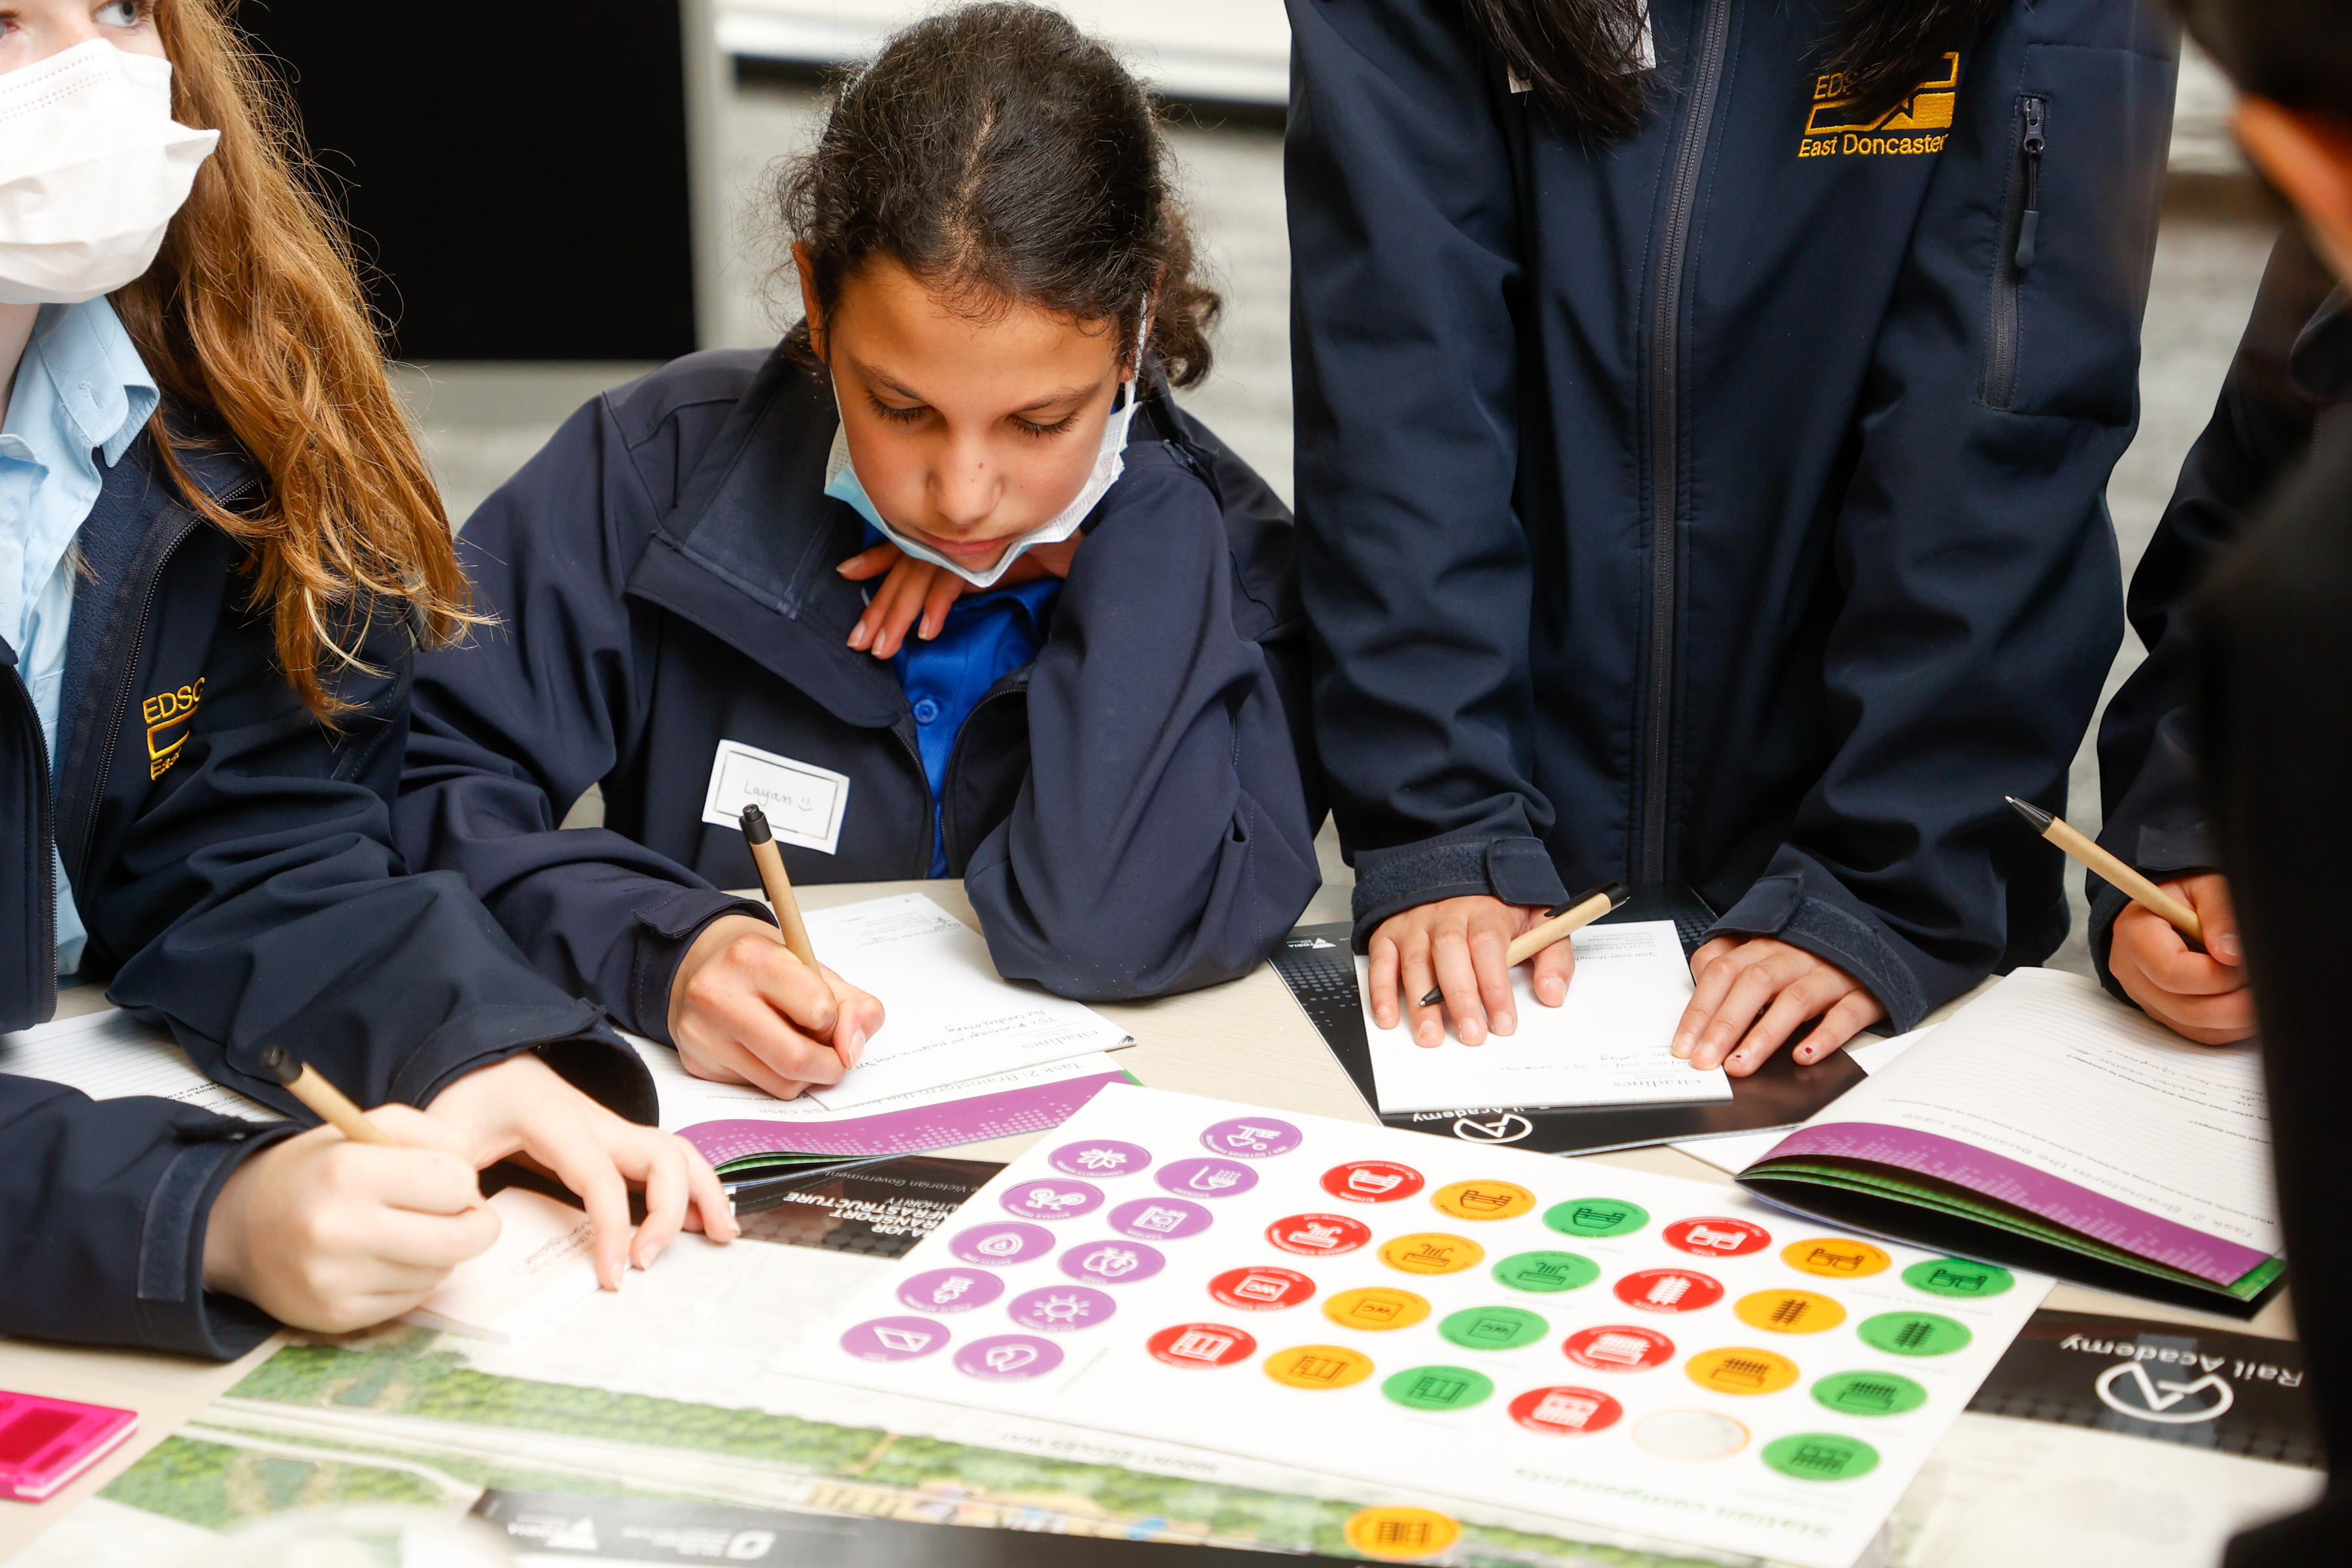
2020, 228
127, 672
1666, 436
45, 940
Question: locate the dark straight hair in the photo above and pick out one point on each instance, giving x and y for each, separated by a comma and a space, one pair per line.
1581, 59
1003, 156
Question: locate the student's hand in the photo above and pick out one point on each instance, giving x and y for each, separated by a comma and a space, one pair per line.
916, 589
742, 1009
1752, 994
1460, 944
322, 1233
523, 1107
2200, 995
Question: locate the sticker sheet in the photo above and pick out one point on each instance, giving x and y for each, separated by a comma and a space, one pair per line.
1596, 1344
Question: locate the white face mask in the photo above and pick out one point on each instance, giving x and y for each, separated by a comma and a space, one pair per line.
92, 166
842, 483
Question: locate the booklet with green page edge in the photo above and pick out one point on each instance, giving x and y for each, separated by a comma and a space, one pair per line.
2048, 1127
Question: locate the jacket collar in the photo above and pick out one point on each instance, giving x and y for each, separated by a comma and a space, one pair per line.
749, 550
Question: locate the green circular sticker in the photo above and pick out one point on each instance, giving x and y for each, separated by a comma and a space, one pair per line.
1494, 1328
1438, 1387
1820, 1457
1868, 1394
1596, 1217
1958, 1277
1546, 1271
1913, 1334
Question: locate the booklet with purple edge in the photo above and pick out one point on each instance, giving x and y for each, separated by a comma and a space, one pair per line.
2049, 1126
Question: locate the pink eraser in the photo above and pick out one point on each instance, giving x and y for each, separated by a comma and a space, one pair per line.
45, 1443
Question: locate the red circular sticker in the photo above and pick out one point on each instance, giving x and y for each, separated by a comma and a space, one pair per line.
1717, 1237
1200, 1345
1371, 1181
1618, 1348
1263, 1289
1564, 1411
1669, 1290
1318, 1235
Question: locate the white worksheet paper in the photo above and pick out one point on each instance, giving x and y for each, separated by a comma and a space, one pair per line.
689, 1102
2120, 1104
1607, 1045
542, 1264
1677, 1359
948, 1017
109, 1055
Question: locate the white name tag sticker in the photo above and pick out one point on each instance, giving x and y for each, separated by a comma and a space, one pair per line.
803, 804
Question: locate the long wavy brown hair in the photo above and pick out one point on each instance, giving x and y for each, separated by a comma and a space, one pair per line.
253, 322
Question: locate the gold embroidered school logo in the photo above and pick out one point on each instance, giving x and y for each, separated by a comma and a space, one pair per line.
1917, 124
166, 715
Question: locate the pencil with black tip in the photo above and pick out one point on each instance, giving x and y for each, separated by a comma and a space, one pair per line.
1559, 922
2134, 885
309, 1086
778, 887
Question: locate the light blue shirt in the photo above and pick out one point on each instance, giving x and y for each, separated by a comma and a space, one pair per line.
82, 395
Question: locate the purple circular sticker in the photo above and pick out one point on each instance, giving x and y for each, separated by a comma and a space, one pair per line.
1111, 1262
1058, 1310
1251, 1138
1052, 1199
1005, 1242
950, 1289
1008, 1358
1207, 1178
1155, 1219
893, 1339
1100, 1157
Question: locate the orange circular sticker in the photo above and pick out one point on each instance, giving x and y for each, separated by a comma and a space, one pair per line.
1788, 1311
1318, 1366
1482, 1200
1431, 1252
1741, 1371
1376, 1308
1835, 1257
1401, 1534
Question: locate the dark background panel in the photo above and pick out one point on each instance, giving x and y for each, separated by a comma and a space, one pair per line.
516, 175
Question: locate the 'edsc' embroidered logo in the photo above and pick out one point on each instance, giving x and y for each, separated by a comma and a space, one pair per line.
1917, 124
165, 713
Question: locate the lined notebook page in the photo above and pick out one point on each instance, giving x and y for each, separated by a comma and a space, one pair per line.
2048, 1070
109, 1055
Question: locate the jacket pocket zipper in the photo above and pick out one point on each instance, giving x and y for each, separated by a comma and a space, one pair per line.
2020, 229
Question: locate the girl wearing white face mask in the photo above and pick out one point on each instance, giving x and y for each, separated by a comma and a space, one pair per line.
218, 545
1099, 736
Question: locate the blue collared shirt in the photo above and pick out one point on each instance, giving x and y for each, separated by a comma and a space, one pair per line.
82, 396
987, 637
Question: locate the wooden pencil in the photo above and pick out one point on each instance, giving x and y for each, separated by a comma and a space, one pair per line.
778, 885
1558, 923
306, 1084
2134, 885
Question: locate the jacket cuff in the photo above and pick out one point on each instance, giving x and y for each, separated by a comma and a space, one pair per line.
176, 1313
1517, 871
594, 1058
1842, 932
665, 929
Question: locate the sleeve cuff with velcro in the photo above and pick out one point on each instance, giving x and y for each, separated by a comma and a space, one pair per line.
1837, 929
666, 930
1517, 871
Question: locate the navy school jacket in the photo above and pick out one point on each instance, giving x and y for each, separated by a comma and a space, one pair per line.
2290, 378
232, 859
1126, 811
1723, 506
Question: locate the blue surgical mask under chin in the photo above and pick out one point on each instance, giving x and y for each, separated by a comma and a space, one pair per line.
840, 482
